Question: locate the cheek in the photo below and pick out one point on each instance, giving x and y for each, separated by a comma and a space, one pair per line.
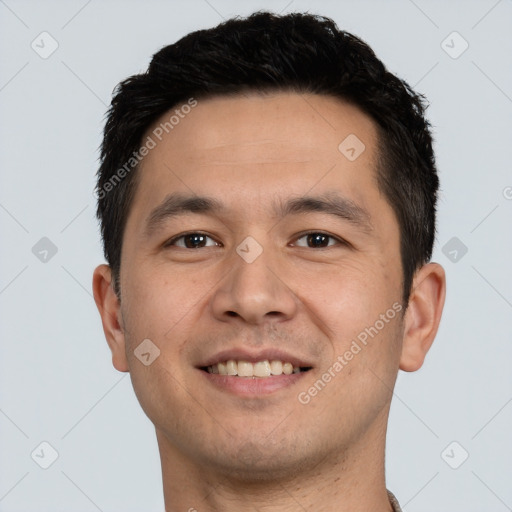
364, 331
348, 295
155, 301
356, 303
161, 392
155, 307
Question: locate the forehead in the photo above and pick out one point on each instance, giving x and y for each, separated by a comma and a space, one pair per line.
260, 144
257, 128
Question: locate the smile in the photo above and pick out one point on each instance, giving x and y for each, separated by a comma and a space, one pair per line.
260, 369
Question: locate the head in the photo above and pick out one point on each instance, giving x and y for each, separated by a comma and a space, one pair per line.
267, 185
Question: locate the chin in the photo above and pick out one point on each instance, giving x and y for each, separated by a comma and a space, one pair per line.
253, 463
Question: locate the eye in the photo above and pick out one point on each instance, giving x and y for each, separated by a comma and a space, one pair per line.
317, 239
192, 241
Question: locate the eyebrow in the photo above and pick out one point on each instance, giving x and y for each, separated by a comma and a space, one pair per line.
178, 204
332, 204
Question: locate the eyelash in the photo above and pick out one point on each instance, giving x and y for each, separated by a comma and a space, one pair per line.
339, 241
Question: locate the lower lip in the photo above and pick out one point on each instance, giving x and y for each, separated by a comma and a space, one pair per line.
252, 386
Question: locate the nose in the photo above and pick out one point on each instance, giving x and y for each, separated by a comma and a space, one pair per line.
255, 292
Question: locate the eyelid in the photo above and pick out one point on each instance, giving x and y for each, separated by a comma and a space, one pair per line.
338, 239
172, 241
341, 241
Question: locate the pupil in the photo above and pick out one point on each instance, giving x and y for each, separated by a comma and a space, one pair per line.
194, 241
318, 240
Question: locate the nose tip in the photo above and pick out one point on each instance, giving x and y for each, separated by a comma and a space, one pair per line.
253, 292
255, 315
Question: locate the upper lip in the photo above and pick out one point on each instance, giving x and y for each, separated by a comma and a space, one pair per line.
243, 354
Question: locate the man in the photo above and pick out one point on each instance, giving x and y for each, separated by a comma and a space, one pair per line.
267, 197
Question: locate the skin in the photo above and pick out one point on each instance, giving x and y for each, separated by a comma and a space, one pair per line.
222, 452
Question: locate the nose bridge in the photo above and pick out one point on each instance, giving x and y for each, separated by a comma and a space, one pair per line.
253, 290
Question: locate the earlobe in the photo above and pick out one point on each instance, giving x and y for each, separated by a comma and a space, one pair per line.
423, 315
109, 308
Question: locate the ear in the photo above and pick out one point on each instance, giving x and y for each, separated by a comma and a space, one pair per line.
109, 307
423, 315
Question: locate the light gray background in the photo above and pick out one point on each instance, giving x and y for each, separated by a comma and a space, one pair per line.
57, 383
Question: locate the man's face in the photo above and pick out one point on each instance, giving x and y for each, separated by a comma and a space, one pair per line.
304, 285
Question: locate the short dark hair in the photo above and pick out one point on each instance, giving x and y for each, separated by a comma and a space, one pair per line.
265, 52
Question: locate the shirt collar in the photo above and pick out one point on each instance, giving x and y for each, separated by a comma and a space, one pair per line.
394, 502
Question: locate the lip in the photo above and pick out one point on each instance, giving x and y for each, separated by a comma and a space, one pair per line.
251, 386
242, 354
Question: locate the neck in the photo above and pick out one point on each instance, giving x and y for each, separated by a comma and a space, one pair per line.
353, 480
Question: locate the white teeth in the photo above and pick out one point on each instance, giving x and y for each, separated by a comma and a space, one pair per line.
260, 369
276, 367
287, 368
231, 367
245, 369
